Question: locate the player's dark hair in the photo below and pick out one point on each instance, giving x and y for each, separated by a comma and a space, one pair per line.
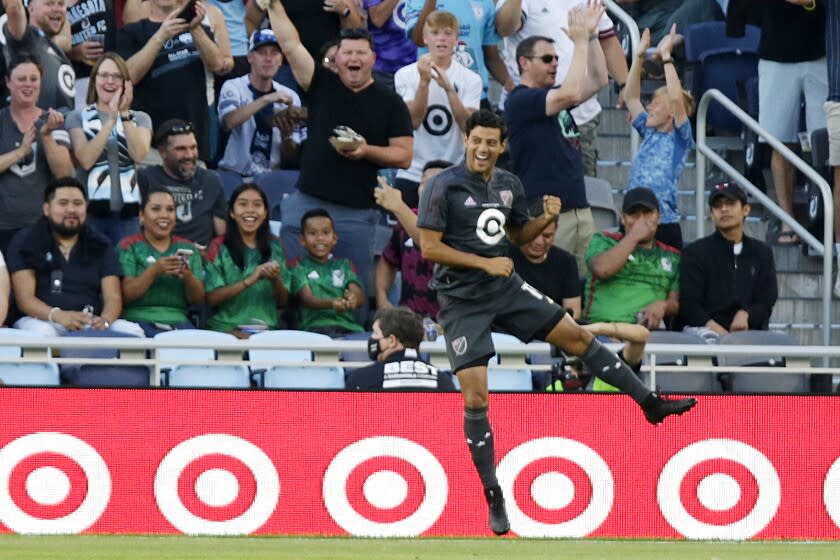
487, 119
154, 189
403, 323
526, 47
61, 182
233, 237
22, 58
437, 164
315, 213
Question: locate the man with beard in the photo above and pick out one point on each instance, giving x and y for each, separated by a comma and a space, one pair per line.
199, 196
38, 38
66, 277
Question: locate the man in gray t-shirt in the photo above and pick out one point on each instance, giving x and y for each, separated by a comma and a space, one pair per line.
201, 210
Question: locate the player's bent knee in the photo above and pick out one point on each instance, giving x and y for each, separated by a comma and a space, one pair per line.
569, 336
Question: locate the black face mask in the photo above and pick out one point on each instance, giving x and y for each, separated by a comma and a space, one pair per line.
373, 348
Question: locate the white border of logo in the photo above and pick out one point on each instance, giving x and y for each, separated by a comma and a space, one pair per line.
831, 492
674, 471
170, 469
600, 477
94, 467
339, 469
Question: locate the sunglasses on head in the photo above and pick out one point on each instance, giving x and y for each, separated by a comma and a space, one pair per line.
179, 129
546, 58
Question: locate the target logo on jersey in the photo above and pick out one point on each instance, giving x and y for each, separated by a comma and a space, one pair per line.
490, 227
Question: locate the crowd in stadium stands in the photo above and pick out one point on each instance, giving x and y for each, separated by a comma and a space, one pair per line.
366, 100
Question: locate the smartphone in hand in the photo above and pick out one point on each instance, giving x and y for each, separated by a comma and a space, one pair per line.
187, 13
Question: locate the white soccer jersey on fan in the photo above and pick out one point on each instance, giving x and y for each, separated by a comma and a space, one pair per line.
438, 136
550, 18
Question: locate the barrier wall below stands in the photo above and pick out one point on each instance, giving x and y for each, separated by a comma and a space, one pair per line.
228, 462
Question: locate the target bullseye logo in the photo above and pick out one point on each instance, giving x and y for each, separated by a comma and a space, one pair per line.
563, 482
831, 492
718, 489
385, 487
52, 483
216, 484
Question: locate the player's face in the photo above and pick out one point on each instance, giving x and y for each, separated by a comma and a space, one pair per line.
728, 214
483, 147
48, 15
67, 211
319, 238
354, 60
537, 249
180, 155
660, 114
24, 84
539, 72
249, 212
109, 81
265, 61
158, 216
440, 41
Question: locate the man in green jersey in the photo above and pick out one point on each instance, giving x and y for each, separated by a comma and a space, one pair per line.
632, 277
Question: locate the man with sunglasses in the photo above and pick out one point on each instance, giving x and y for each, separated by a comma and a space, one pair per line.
544, 139
341, 178
201, 210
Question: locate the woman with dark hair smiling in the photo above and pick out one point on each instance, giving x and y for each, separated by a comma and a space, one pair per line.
247, 277
162, 272
109, 140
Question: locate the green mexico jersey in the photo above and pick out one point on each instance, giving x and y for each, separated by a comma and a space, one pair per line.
165, 301
254, 305
647, 276
327, 281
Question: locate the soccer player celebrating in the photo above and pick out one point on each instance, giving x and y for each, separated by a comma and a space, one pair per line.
469, 214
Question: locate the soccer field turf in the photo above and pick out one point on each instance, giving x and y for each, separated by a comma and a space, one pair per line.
136, 547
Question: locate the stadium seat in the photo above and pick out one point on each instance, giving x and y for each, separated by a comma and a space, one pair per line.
92, 375
189, 375
13, 372
509, 379
720, 62
356, 356
763, 382
218, 376
277, 185
681, 382
304, 378
599, 195
230, 181
265, 373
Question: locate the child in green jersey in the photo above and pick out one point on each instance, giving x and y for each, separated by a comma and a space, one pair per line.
329, 288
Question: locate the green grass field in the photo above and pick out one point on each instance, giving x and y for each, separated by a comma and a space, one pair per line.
240, 548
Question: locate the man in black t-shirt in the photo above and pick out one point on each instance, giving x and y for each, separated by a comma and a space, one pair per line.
468, 215
166, 57
550, 270
394, 343
46, 18
341, 179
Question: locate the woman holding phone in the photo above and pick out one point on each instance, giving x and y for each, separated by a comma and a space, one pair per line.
162, 273
247, 278
109, 140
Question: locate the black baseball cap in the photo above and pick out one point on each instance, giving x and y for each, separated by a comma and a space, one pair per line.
641, 196
730, 190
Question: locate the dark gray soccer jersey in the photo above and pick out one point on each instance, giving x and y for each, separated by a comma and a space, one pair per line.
472, 215
58, 80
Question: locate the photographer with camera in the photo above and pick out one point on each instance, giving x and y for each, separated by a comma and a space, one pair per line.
248, 106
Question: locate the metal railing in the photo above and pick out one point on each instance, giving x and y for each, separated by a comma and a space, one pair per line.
704, 151
146, 352
616, 11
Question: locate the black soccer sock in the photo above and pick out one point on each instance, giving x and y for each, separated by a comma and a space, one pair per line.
609, 367
480, 441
